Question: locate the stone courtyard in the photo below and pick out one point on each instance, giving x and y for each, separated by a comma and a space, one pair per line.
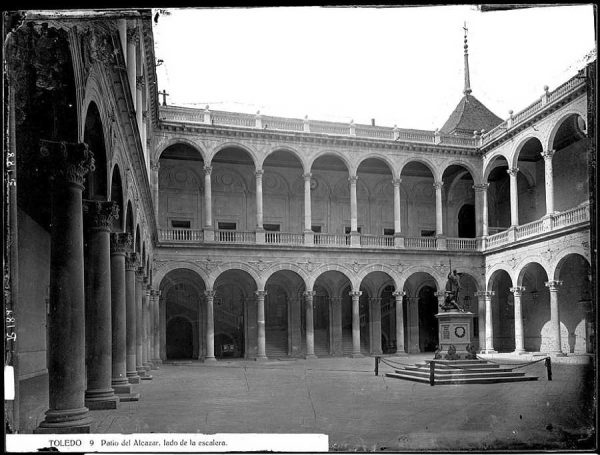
342, 397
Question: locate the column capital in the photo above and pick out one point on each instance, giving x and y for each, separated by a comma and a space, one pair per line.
210, 294
354, 294
139, 272
259, 173
131, 262
133, 36
307, 176
260, 294
120, 242
155, 293
485, 294
100, 214
517, 290
396, 182
309, 294
207, 170
513, 171
548, 154
553, 285
438, 185
353, 179
398, 294
67, 162
481, 187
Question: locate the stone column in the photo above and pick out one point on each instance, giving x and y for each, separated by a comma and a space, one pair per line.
68, 164
99, 217
154, 167
310, 332
336, 347
481, 209
439, 219
145, 325
481, 319
139, 333
260, 303
150, 327
131, 318
399, 295
375, 325
156, 348
259, 200
397, 213
132, 42
355, 323
210, 326
489, 327
208, 224
353, 204
517, 292
549, 179
555, 342
119, 246
514, 196
307, 206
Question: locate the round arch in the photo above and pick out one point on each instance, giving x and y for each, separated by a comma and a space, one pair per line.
472, 170
351, 276
560, 121
224, 268
117, 195
254, 156
289, 267
334, 153
492, 163
406, 274
383, 268
555, 269
380, 157
516, 151
178, 140
424, 161
285, 148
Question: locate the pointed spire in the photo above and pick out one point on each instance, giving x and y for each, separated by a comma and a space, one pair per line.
467, 89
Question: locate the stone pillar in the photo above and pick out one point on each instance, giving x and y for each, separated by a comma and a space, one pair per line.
336, 347
154, 167
439, 219
397, 213
131, 318
413, 325
132, 42
310, 332
517, 292
208, 224
307, 206
155, 308
375, 325
399, 296
481, 217
139, 291
555, 342
514, 196
145, 325
353, 204
549, 179
150, 327
210, 326
489, 327
99, 217
260, 311
259, 200
355, 323
481, 319
68, 164
119, 246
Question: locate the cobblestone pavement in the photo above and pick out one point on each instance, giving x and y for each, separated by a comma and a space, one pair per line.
342, 398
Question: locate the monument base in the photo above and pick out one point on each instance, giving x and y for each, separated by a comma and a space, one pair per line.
455, 335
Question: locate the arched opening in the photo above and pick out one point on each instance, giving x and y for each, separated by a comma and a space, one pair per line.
381, 312
235, 313
535, 305
498, 196
421, 219
330, 197
283, 195
576, 308
129, 220
93, 136
283, 308
116, 194
458, 200
375, 208
531, 181
364, 321
503, 315
138, 242
180, 188
570, 164
422, 306
327, 316
182, 298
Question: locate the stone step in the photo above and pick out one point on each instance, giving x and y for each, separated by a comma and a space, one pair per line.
474, 380
442, 366
461, 374
276, 343
423, 367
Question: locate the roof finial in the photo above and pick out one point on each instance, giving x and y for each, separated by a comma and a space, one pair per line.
467, 89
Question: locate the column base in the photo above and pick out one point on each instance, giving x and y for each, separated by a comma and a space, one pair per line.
261, 358
117, 382
65, 421
401, 352
148, 377
355, 355
147, 366
133, 379
156, 363
210, 360
141, 371
122, 389
101, 404
125, 397
310, 356
488, 351
519, 352
557, 354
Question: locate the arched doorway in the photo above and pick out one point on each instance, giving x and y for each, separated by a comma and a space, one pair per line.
421, 307
180, 339
428, 325
459, 203
503, 315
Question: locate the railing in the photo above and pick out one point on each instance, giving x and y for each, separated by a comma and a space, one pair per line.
284, 238
331, 239
576, 215
181, 235
461, 244
342, 129
232, 118
529, 229
279, 123
377, 240
420, 243
376, 132
497, 239
228, 236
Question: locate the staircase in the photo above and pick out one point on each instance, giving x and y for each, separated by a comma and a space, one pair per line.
461, 372
321, 343
276, 344
347, 344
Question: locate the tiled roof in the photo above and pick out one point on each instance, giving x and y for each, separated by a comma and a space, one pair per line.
470, 115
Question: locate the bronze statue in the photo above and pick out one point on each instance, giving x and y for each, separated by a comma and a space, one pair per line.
452, 292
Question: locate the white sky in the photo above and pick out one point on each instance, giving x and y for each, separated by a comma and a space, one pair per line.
400, 66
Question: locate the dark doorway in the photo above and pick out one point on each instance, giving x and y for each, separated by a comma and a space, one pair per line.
180, 339
466, 221
428, 324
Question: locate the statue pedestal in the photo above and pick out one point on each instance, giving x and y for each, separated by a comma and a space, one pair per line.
455, 330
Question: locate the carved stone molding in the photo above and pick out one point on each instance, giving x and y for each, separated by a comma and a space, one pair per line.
100, 214
67, 162
121, 242
131, 261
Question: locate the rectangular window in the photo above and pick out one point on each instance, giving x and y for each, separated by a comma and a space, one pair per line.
387, 231
347, 230
271, 227
427, 233
316, 228
181, 224
227, 226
